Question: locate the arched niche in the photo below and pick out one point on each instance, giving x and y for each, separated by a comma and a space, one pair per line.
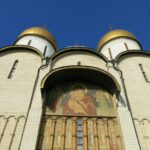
63, 88
80, 73
79, 104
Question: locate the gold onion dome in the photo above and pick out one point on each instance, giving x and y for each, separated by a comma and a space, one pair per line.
115, 34
39, 32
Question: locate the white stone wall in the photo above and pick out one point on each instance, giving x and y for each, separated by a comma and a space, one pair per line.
117, 46
85, 58
127, 129
37, 42
136, 85
138, 94
32, 128
16, 92
15, 95
11, 129
143, 129
124, 116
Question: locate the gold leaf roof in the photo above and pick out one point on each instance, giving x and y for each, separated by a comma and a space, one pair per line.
115, 34
39, 32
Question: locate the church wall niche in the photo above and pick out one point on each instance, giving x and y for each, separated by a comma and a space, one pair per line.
94, 106
83, 73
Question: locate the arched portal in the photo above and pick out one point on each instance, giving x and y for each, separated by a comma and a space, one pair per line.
80, 112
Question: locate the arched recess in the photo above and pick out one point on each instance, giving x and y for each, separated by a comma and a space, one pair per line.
73, 120
82, 73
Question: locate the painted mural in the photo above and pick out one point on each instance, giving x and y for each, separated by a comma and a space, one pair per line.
79, 99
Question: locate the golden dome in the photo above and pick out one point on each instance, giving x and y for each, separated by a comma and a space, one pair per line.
115, 34
40, 32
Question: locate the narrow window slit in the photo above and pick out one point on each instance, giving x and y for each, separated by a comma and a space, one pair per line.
79, 135
126, 46
110, 53
79, 63
29, 42
13, 69
144, 73
45, 49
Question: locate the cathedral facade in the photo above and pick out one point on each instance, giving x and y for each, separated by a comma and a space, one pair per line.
76, 98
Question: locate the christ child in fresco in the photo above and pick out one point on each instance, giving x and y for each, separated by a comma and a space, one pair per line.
79, 102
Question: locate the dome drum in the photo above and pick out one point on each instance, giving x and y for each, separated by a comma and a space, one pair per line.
38, 38
117, 41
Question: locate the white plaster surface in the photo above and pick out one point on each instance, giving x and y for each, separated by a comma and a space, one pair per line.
117, 46
85, 59
38, 43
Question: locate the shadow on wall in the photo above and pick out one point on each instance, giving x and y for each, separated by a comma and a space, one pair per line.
122, 101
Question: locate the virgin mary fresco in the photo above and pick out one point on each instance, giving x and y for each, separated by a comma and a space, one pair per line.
79, 99
79, 102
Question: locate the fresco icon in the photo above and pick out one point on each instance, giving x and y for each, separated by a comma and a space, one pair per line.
79, 102
79, 99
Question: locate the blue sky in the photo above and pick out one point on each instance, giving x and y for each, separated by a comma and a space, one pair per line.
81, 22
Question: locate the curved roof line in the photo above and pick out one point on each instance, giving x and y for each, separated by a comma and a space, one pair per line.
55, 48
126, 53
99, 49
81, 67
84, 49
17, 47
41, 32
114, 34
